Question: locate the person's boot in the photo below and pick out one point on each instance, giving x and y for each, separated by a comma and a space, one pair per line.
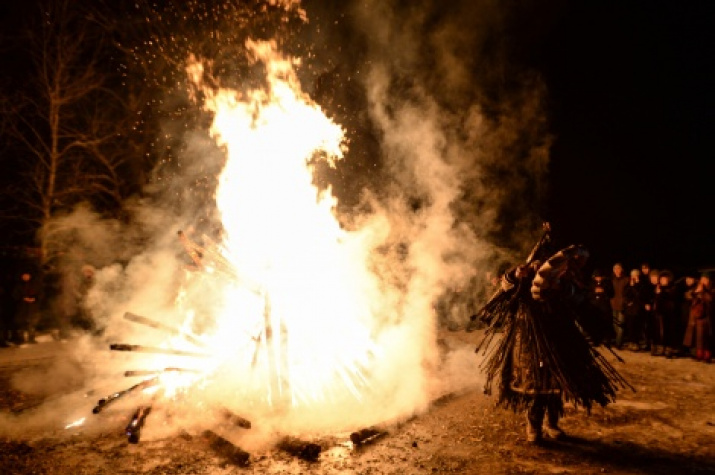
533, 431
707, 357
552, 429
533, 434
554, 432
699, 355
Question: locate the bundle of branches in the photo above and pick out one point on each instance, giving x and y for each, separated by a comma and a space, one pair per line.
547, 342
544, 348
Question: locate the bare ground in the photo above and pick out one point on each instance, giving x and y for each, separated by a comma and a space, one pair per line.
666, 427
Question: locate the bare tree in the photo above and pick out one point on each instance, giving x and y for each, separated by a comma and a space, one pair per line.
64, 121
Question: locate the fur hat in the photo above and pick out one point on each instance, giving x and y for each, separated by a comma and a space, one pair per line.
666, 273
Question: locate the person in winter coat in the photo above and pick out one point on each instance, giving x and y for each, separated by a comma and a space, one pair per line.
699, 333
649, 282
543, 356
633, 312
600, 293
665, 315
27, 297
618, 282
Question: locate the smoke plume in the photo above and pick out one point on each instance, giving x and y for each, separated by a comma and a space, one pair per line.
449, 155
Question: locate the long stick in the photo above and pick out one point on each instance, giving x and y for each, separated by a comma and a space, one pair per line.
150, 372
133, 317
152, 349
104, 402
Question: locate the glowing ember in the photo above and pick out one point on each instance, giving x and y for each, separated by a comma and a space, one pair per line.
76, 423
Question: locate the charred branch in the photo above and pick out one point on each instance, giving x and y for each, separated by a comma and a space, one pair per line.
305, 450
152, 349
135, 425
366, 436
163, 327
104, 402
226, 449
235, 419
151, 372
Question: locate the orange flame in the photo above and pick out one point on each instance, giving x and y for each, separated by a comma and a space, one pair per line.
297, 318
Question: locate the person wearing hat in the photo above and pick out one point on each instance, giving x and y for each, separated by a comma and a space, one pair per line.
618, 282
699, 333
600, 293
685, 287
544, 356
633, 311
664, 316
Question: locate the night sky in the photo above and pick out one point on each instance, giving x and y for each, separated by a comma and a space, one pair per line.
630, 104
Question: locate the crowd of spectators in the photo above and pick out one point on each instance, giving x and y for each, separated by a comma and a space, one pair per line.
651, 310
657, 311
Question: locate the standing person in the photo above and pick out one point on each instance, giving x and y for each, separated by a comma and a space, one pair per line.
633, 311
27, 297
543, 358
699, 334
665, 314
684, 295
85, 319
618, 282
649, 282
600, 293
645, 270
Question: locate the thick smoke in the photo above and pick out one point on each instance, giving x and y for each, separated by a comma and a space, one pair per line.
463, 144
462, 155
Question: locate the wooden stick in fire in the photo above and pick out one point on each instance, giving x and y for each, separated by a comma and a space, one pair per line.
150, 372
104, 402
152, 349
133, 317
133, 429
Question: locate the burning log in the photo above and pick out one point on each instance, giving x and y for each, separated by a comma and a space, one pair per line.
235, 419
104, 402
134, 427
151, 372
161, 326
366, 436
152, 349
226, 449
192, 250
304, 450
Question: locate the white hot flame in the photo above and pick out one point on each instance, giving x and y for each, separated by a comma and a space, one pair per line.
300, 301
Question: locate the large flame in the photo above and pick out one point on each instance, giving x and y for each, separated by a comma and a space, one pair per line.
296, 319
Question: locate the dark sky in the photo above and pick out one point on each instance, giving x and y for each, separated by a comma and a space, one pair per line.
631, 107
